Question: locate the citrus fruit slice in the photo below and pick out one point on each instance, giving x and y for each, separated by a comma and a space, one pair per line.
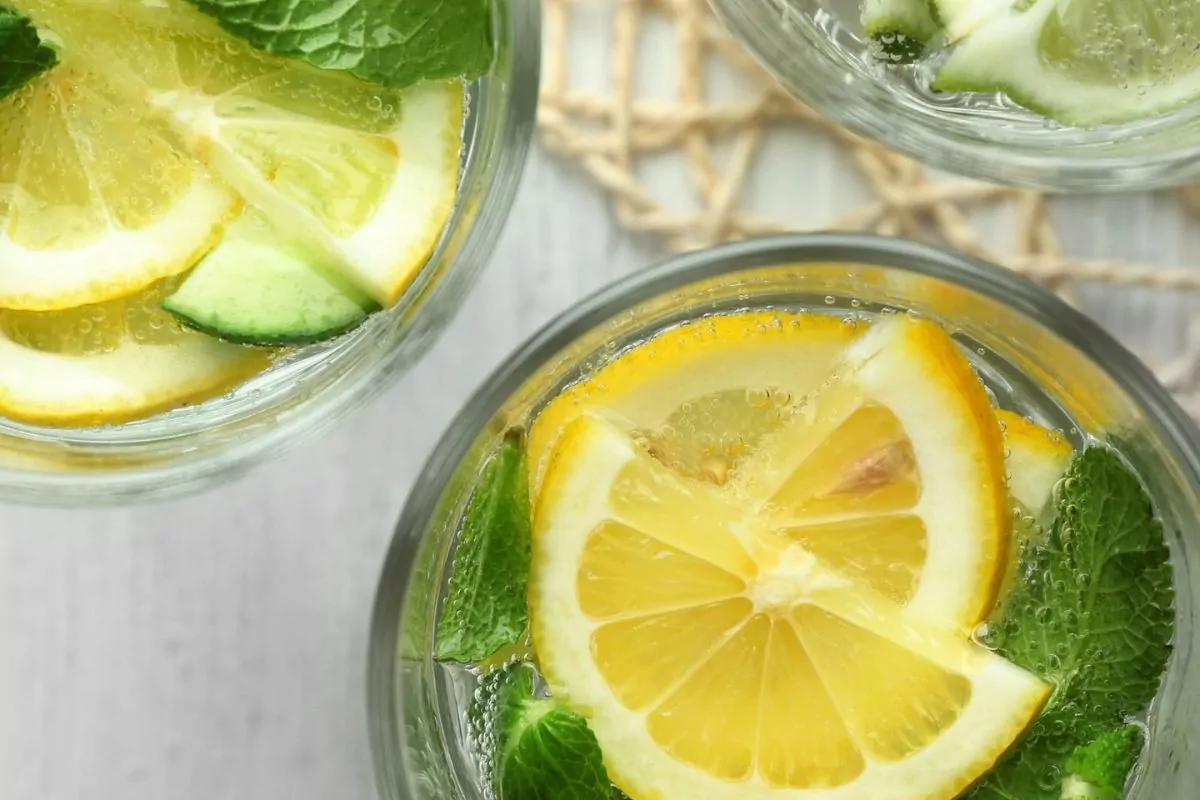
897, 472
715, 657
111, 362
364, 176
1078, 62
79, 221
894, 472
1037, 459
703, 392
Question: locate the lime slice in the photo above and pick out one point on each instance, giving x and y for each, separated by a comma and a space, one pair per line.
1077, 62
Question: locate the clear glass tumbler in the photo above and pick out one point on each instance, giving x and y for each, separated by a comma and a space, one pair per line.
816, 48
313, 387
1035, 353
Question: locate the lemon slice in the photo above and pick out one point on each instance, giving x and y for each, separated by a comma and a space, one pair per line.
363, 175
703, 392
111, 362
894, 471
79, 220
1037, 459
715, 657
898, 467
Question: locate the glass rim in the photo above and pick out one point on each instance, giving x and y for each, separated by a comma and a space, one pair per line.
184, 451
1178, 432
849, 92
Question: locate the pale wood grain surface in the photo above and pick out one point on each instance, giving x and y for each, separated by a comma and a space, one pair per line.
214, 647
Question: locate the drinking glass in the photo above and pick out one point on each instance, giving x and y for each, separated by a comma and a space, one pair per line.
1036, 354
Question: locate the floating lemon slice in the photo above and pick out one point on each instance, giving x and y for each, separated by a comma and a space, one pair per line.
365, 176
894, 471
715, 657
703, 392
111, 362
94, 205
898, 466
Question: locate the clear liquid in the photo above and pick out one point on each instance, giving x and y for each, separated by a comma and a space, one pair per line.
456, 687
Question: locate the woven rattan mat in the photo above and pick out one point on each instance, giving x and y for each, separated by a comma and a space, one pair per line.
607, 131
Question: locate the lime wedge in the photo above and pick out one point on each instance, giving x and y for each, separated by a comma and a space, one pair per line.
1077, 62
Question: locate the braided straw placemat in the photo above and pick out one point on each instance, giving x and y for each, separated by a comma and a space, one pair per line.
607, 133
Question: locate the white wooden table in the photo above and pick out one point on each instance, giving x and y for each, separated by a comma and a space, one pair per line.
214, 647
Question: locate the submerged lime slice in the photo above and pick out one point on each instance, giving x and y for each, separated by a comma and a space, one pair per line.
1078, 62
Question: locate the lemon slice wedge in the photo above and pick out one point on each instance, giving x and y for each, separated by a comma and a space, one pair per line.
79, 221
111, 362
894, 471
716, 657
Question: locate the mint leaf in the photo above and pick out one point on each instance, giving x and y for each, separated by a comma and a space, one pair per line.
541, 750
486, 609
1099, 769
23, 54
389, 42
1092, 613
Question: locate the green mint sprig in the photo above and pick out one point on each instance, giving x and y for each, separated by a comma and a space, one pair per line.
388, 42
23, 54
1093, 615
486, 607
